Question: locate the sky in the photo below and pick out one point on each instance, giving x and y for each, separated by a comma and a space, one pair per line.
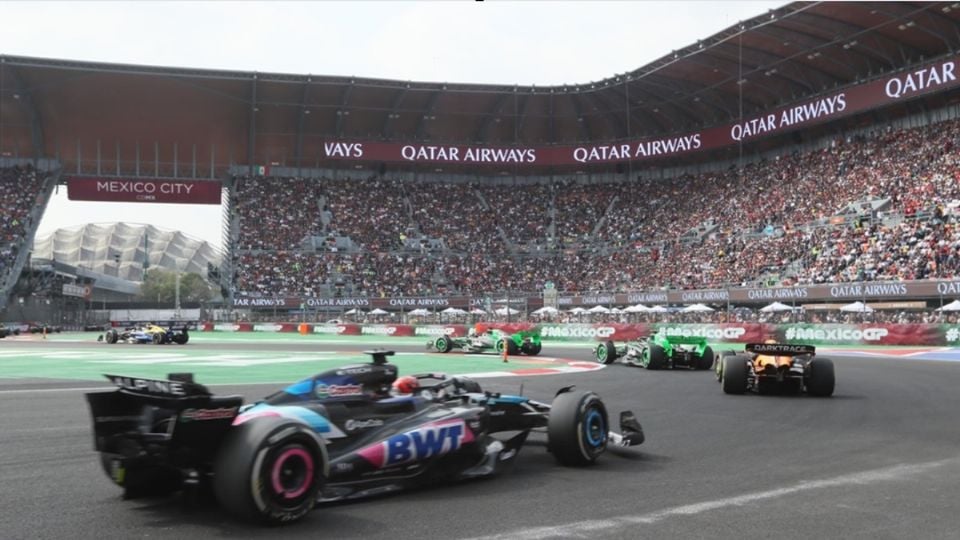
497, 42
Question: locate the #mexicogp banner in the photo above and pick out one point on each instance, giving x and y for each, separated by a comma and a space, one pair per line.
927, 335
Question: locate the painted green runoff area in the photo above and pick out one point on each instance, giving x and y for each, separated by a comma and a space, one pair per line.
224, 366
232, 365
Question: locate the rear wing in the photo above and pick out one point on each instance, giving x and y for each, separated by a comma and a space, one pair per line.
177, 411
780, 349
685, 340
180, 387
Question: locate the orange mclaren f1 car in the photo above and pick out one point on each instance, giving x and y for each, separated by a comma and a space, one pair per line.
776, 368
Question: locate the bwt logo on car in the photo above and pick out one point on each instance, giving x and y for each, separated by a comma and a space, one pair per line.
732, 333
836, 334
577, 332
429, 441
380, 330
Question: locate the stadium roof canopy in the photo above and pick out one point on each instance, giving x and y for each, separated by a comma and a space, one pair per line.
85, 112
121, 249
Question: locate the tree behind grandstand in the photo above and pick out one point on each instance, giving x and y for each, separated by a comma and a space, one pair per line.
160, 286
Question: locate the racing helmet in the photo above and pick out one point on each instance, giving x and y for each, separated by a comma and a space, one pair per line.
407, 384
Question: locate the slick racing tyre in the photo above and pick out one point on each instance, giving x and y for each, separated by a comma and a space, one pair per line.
181, 339
158, 339
718, 365
112, 336
577, 428
705, 361
606, 352
654, 357
820, 377
509, 344
734, 374
530, 348
443, 344
269, 470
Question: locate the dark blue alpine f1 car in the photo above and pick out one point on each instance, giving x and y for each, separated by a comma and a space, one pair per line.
344, 433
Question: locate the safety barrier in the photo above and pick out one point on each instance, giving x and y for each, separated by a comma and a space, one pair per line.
816, 334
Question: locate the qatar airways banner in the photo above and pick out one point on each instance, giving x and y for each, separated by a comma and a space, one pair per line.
143, 190
841, 292
932, 78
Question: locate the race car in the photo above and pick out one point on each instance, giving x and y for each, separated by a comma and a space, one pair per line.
526, 342
658, 351
776, 368
350, 432
148, 333
8, 331
42, 328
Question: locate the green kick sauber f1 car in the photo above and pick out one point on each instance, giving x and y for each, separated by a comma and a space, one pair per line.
658, 351
526, 342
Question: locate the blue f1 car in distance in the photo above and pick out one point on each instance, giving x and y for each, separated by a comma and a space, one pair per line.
345, 433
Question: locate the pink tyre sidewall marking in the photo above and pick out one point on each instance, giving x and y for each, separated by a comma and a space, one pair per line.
278, 466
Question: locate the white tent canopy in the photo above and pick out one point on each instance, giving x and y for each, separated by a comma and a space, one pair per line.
478, 311
578, 310
696, 308
858, 307
658, 309
453, 311
598, 309
354, 311
546, 310
952, 306
506, 311
377, 311
639, 308
419, 312
776, 306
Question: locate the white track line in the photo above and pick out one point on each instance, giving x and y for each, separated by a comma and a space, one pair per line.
600, 528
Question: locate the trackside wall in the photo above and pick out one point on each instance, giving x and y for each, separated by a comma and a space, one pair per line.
815, 334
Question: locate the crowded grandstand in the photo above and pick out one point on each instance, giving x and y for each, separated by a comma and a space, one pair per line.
575, 198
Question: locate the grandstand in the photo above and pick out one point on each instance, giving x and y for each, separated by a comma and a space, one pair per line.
815, 144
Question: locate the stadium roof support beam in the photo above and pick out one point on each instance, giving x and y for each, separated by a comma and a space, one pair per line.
613, 113
301, 120
895, 17
392, 112
342, 112
583, 129
730, 64
811, 44
811, 41
522, 115
26, 102
672, 87
818, 22
637, 109
252, 126
427, 114
483, 127
764, 60
552, 119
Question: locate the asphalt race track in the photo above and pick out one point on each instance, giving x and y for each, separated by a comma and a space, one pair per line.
880, 459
